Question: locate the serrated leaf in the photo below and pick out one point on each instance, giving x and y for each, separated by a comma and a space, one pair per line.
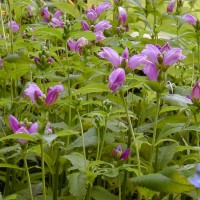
100, 193
77, 185
161, 183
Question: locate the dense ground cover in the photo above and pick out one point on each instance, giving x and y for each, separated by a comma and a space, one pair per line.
99, 99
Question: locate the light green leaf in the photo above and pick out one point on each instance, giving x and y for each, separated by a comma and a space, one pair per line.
18, 136
93, 88
77, 185
4, 165
99, 193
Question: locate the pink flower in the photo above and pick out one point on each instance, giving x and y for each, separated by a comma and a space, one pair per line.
33, 92
116, 79
17, 128
78, 45
190, 19
91, 14
171, 6
102, 7
102, 25
196, 91
48, 130
111, 55
46, 14
123, 155
85, 25
52, 94
13, 26
122, 15
99, 36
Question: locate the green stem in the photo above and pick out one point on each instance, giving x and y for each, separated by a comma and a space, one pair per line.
154, 22
10, 30
6, 188
131, 132
198, 49
119, 188
98, 143
88, 196
197, 134
43, 171
103, 137
82, 133
28, 176
154, 135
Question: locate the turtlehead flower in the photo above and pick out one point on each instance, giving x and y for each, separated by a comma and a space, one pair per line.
52, 94
171, 6
48, 130
33, 92
102, 25
190, 19
18, 127
78, 45
111, 55
195, 180
122, 15
123, 155
152, 57
196, 91
102, 7
99, 36
13, 26
116, 79
46, 14
85, 25
91, 14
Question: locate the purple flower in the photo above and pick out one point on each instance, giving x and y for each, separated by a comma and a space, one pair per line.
171, 6
196, 91
78, 45
48, 130
14, 123
13, 26
36, 59
111, 55
123, 155
33, 92
57, 23
136, 61
116, 79
195, 180
125, 54
85, 25
17, 128
50, 60
150, 70
99, 36
172, 56
102, 7
29, 9
57, 14
190, 19
91, 15
46, 14
102, 25
52, 94
1, 62
122, 15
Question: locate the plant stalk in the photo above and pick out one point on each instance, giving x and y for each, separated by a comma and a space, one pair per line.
43, 171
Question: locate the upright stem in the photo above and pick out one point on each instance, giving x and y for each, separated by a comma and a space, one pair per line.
131, 132
43, 171
103, 137
82, 133
28, 176
154, 21
198, 49
154, 134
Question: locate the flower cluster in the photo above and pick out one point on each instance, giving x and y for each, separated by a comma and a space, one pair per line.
22, 127
35, 93
13, 26
55, 20
122, 154
78, 45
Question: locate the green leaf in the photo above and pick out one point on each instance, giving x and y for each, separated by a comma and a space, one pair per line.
10, 197
77, 185
18, 136
69, 9
177, 100
93, 88
99, 193
77, 160
161, 183
86, 34
4, 165
90, 139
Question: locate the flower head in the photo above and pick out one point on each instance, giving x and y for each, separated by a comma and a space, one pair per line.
102, 25
99, 36
102, 7
123, 155
48, 130
171, 6
111, 55
195, 180
46, 14
33, 92
52, 94
190, 19
196, 91
122, 15
78, 45
116, 79
13, 26
91, 14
